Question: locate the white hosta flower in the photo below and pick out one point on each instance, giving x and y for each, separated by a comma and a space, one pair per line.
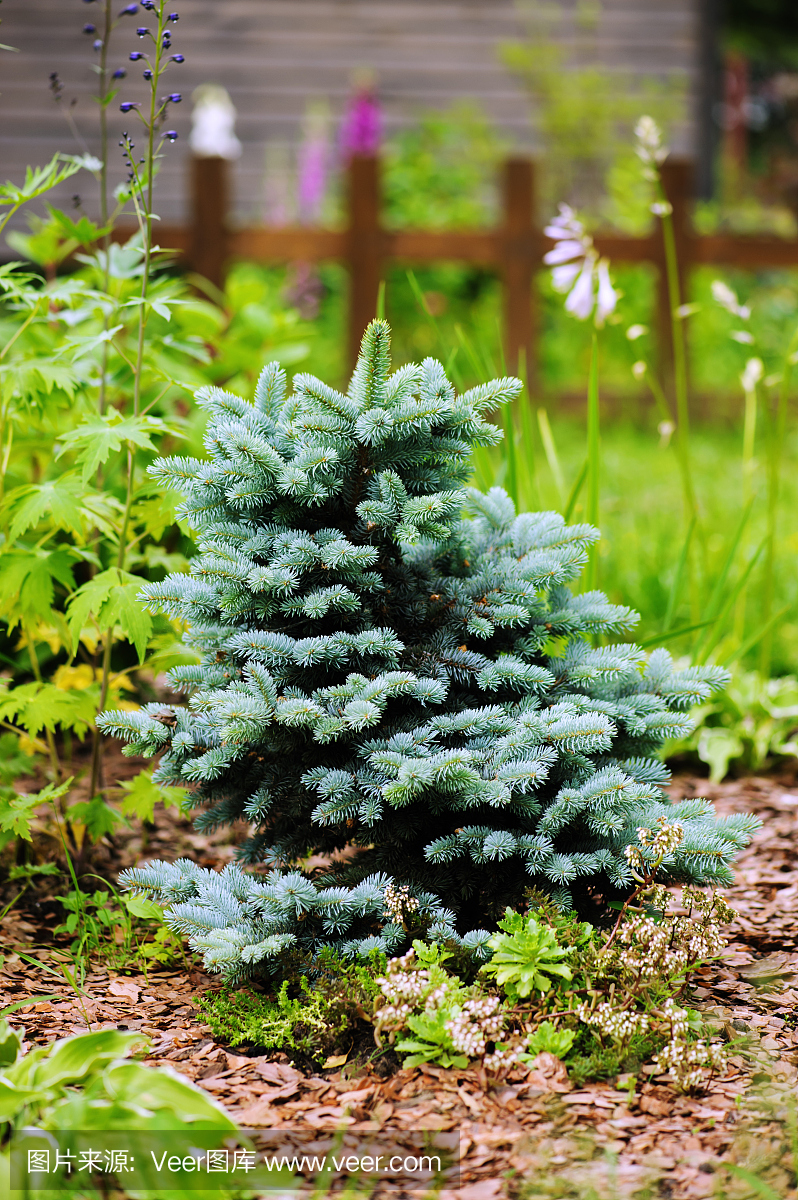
723, 295
754, 370
578, 270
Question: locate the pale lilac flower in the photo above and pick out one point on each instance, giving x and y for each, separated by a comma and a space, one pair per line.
578, 270
723, 295
754, 369
313, 163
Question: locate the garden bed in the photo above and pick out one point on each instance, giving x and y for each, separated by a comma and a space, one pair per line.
526, 1133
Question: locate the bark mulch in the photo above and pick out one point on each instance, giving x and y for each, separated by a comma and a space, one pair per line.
530, 1134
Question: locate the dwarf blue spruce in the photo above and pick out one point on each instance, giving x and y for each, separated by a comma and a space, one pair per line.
394, 664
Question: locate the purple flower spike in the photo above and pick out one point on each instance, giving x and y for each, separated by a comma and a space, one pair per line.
362, 125
177, 58
175, 97
89, 28
119, 73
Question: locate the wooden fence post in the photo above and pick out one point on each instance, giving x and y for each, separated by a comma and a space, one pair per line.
209, 206
520, 256
677, 182
365, 247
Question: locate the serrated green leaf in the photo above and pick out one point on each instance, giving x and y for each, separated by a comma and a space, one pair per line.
57, 498
143, 795
36, 706
26, 582
110, 599
98, 817
103, 437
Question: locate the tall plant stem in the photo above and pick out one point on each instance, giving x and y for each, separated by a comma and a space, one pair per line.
777, 431
55, 765
106, 244
679, 361
593, 460
145, 222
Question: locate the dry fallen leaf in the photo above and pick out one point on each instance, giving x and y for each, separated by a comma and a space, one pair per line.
335, 1060
125, 989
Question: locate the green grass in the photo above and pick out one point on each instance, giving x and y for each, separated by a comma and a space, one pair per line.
644, 532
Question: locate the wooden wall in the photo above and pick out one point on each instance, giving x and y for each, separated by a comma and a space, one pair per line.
275, 55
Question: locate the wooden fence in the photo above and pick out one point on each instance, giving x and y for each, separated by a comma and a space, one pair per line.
514, 250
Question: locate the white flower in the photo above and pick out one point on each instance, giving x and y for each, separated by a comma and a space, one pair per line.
742, 336
649, 146
636, 331
577, 269
723, 295
213, 124
639, 369
754, 369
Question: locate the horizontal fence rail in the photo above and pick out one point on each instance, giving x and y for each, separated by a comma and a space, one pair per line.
514, 249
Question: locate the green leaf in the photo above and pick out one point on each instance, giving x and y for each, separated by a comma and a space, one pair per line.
98, 817
26, 582
111, 599
16, 814
105, 436
143, 795
36, 706
13, 762
162, 1090
58, 498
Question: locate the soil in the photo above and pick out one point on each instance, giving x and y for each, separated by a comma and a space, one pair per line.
530, 1133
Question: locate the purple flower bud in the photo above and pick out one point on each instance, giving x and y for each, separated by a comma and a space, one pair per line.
136, 55
147, 4
171, 134
173, 17
119, 73
89, 28
98, 45
142, 31
147, 74
175, 97
177, 58
129, 11
127, 106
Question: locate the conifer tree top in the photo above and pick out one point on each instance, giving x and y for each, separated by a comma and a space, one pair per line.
395, 676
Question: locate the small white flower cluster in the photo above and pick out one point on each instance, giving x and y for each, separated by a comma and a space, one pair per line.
712, 906
577, 268
660, 841
408, 989
478, 1022
398, 901
620, 1024
690, 1064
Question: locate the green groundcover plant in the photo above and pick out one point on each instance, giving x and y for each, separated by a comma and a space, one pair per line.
380, 673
